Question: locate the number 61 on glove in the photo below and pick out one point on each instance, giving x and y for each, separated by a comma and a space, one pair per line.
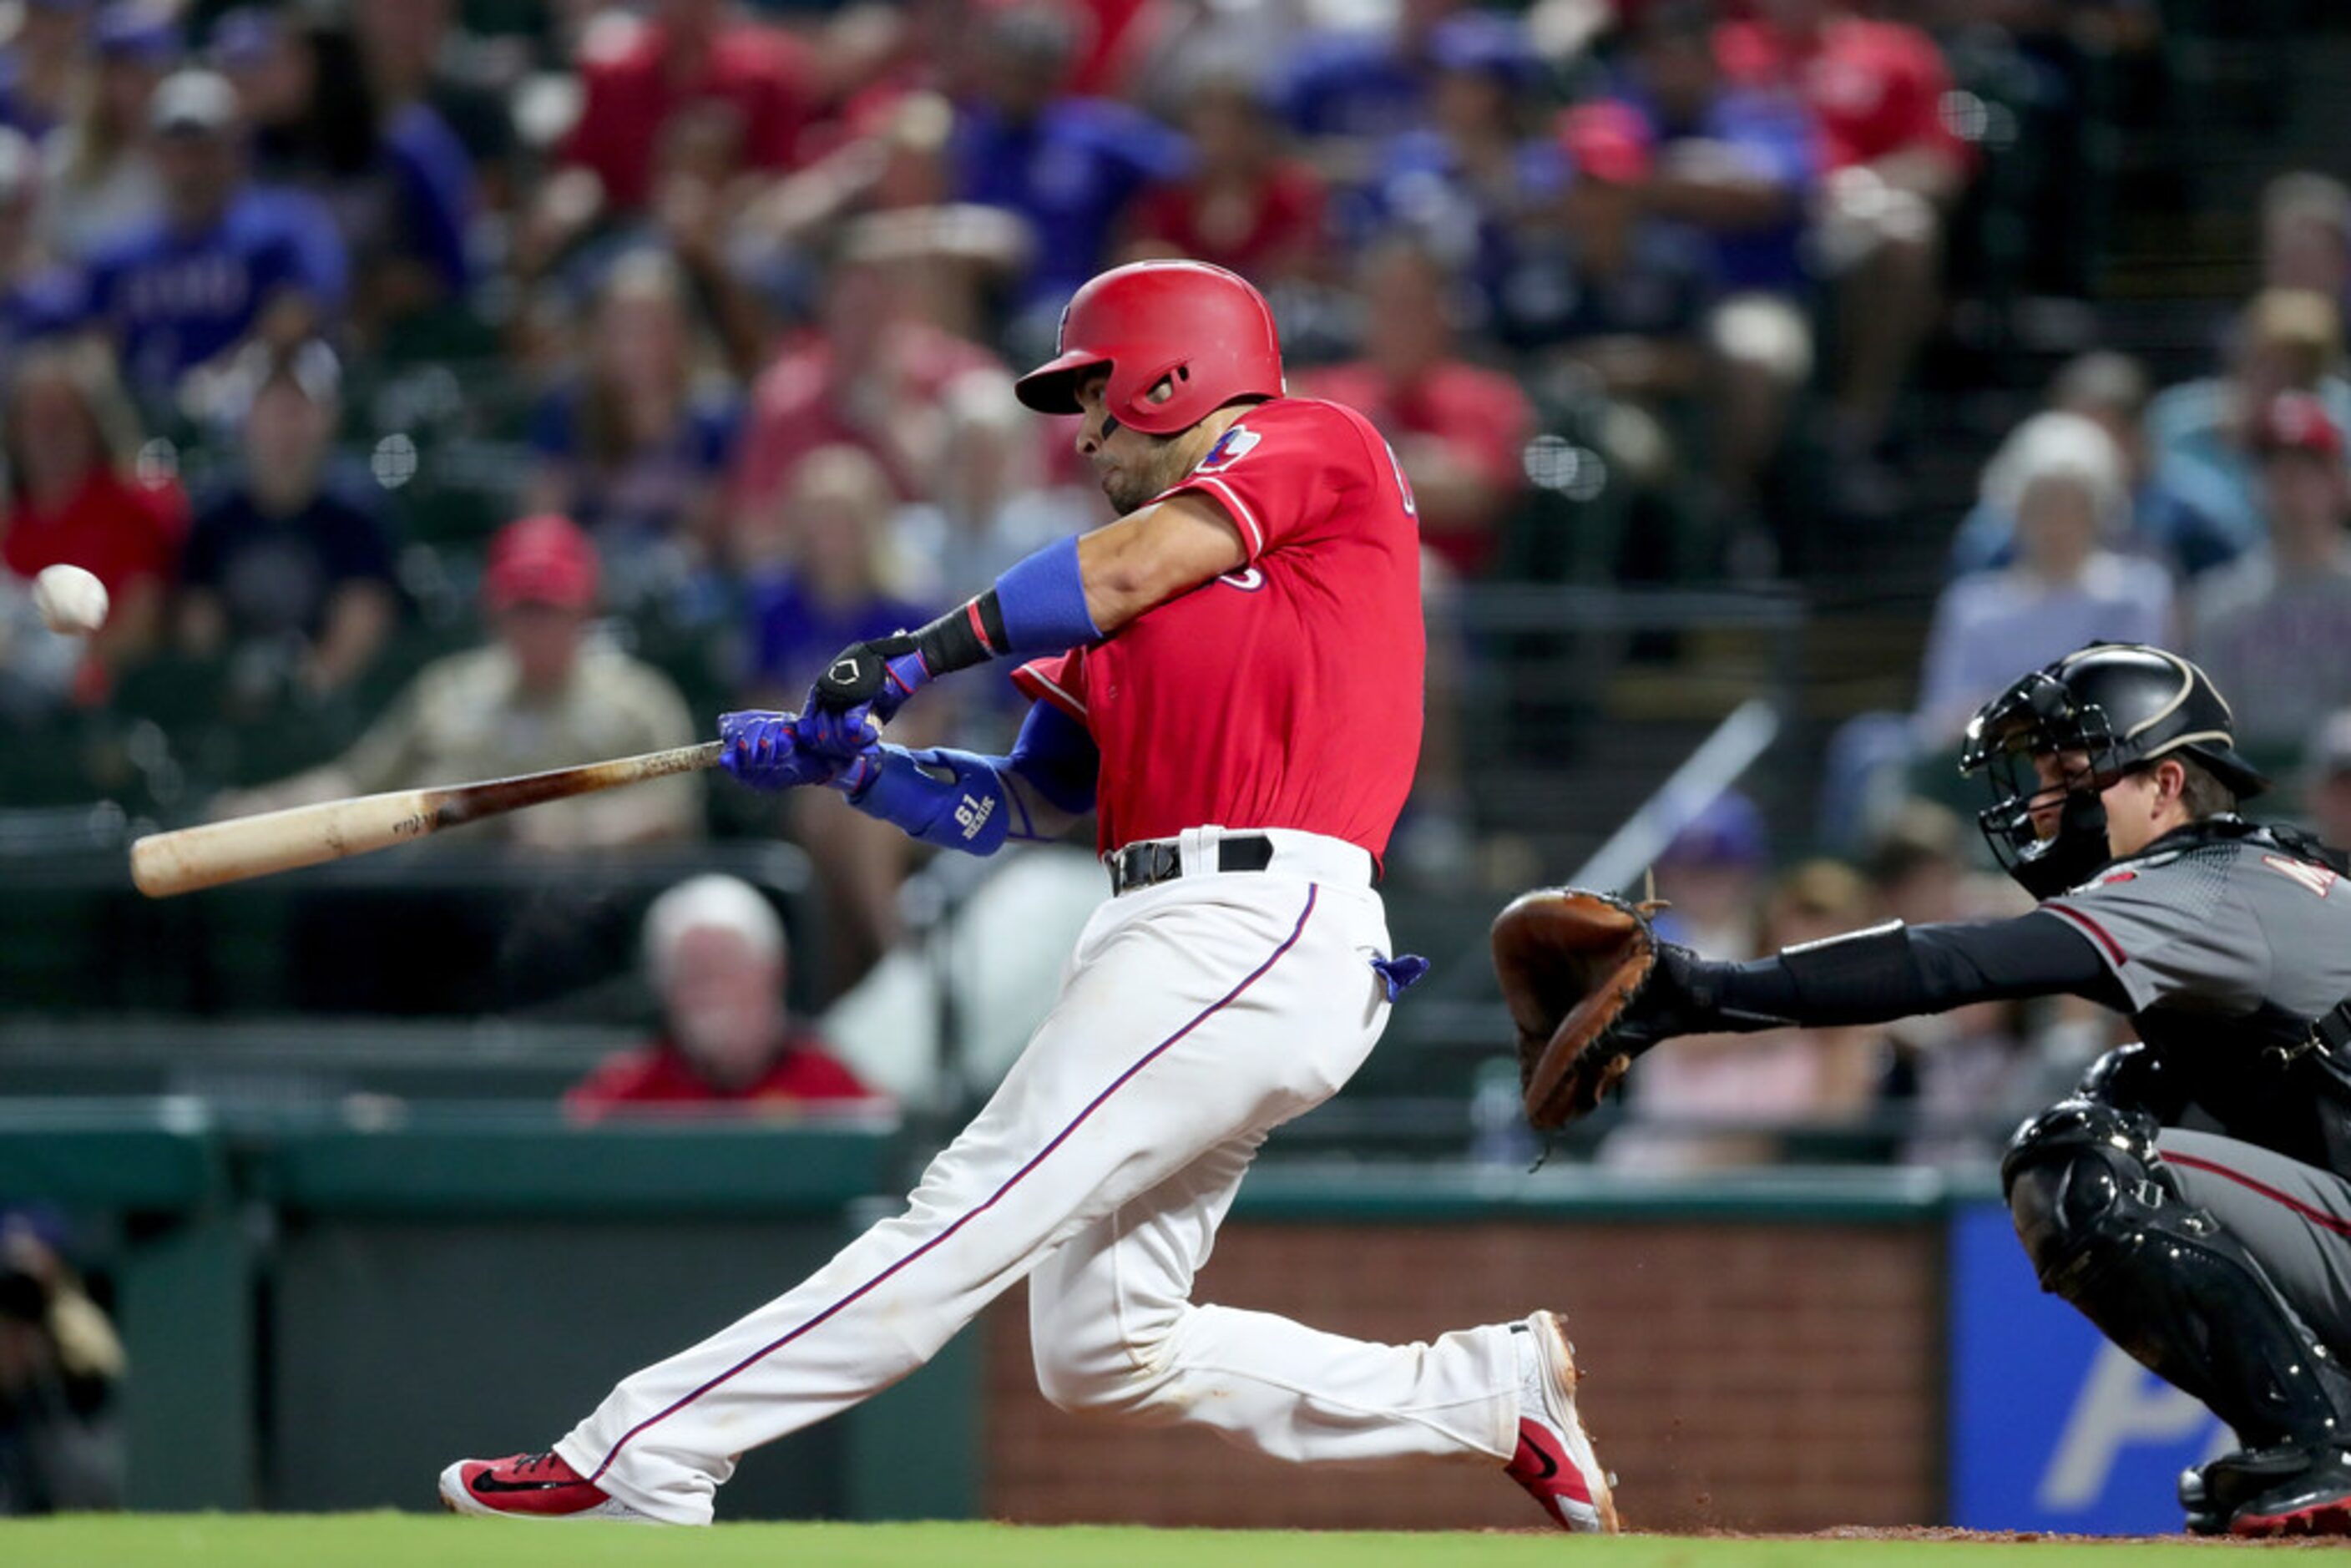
1571, 963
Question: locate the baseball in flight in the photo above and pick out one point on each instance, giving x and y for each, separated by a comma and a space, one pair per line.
71, 600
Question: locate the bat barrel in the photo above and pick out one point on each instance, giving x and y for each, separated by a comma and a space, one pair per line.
189, 859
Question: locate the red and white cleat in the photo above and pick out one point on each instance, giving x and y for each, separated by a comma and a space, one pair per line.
1555, 1462
530, 1486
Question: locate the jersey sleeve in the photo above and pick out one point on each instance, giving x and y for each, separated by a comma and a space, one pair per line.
1275, 472
2173, 933
1059, 681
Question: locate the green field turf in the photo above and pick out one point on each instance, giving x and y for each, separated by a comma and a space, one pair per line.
357, 1540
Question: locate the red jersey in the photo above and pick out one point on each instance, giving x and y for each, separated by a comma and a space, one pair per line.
1482, 418
1284, 695
1274, 229
660, 1075
760, 74
1876, 86
803, 402
119, 530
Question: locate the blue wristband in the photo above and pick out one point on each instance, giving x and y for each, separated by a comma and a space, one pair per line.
1042, 598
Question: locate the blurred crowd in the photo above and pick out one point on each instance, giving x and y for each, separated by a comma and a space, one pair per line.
452, 388
407, 370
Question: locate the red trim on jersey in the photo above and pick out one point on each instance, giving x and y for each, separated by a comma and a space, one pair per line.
2114, 948
2316, 1217
1096, 1104
1049, 691
979, 627
1232, 503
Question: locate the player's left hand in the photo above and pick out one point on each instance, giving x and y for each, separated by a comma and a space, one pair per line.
1575, 967
877, 676
764, 752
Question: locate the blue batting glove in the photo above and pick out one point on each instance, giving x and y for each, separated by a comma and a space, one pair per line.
763, 752
837, 737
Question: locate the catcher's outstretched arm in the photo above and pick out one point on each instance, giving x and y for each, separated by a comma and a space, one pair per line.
1897, 971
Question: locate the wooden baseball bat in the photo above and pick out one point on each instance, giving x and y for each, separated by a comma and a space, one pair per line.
192, 858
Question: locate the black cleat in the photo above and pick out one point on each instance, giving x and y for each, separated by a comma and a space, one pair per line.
2284, 1489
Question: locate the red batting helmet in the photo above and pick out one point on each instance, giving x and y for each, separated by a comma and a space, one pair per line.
1200, 329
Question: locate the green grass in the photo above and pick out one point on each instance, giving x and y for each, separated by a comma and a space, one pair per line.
358, 1541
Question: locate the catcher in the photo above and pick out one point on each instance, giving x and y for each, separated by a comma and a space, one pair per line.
2192, 1198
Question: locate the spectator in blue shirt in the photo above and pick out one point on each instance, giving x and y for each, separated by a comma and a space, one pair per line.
1068, 165
284, 565
1359, 85
1739, 169
1481, 174
223, 261
818, 572
1599, 281
1737, 165
396, 178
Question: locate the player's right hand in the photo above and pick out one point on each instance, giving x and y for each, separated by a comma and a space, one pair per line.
763, 751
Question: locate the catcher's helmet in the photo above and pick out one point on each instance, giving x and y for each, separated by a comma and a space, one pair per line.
1203, 331
2123, 705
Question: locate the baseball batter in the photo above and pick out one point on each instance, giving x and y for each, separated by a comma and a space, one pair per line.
1230, 676
2193, 1197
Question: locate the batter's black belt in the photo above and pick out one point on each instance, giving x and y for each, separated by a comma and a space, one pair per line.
1156, 861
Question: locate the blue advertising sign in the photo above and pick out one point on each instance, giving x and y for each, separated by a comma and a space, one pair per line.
2052, 1427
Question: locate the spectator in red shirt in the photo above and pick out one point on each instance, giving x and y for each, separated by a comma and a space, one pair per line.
715, 954
872, 374
1460, 430
1247, 205
636, 74
1896, 168
68, 443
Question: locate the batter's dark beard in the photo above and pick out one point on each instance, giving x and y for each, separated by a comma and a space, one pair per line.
1125, 495
1129, 490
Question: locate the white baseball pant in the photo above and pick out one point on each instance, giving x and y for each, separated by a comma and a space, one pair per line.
1195, 1016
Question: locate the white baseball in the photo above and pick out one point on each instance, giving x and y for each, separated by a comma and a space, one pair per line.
71, 600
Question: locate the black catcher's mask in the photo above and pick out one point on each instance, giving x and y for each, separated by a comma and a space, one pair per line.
2121, 706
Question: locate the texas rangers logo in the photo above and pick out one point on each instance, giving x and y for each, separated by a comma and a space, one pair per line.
1231, 447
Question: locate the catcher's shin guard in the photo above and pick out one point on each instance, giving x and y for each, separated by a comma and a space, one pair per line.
2107, 1231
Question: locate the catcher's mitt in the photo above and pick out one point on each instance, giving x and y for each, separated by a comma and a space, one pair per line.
1572, 962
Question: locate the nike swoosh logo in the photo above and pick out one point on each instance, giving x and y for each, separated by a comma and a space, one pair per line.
1550, 1465
488, 1482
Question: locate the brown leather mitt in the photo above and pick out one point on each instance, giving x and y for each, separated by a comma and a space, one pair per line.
1572, 962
